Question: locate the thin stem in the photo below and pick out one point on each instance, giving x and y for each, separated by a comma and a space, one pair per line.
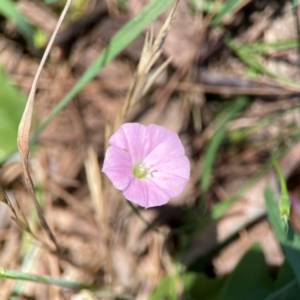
149, 225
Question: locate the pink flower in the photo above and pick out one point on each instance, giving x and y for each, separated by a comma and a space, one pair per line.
147, 163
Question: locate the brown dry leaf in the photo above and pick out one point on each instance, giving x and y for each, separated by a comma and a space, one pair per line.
260, 233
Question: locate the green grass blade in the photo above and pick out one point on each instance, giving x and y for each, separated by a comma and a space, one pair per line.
224, 10
220, 9
263, 47
9, 11
252, 62
120, 40
213, 145
220, 208
11, 274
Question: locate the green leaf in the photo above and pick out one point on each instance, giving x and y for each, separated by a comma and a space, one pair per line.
215, 142
250, 279
289, 291
9, 10
274, 216
166, 289
285, 287
199, 286
12, 104
290, 241
119, 41
284, 201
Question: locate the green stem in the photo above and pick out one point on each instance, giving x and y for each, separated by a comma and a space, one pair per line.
12, 274
149, 225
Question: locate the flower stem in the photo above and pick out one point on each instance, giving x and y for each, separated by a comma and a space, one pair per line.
149, 225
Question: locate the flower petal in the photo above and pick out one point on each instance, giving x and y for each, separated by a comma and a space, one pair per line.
145, 193
131, 137
156, 147
171, 177
117, 167
162, 145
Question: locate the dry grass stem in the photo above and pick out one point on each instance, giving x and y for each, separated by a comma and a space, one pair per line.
24, 129
141, 83
93, 174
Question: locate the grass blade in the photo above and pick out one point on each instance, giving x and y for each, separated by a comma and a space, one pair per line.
225, 9
264, 47
253, 62
216, 140
9, 11
11, 274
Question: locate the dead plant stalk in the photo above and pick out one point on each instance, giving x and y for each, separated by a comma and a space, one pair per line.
24, 129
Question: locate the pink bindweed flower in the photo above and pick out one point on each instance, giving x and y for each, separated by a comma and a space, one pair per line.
147, 163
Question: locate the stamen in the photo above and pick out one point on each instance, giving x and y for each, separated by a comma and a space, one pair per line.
151, 173
141, 171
